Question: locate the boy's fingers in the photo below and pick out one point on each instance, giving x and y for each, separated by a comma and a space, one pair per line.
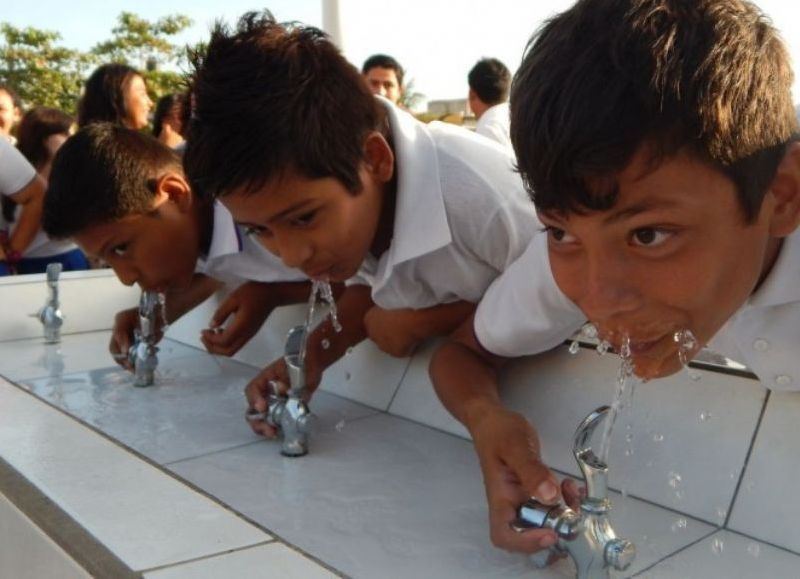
223, 311
536, 479
572, 493
507, 537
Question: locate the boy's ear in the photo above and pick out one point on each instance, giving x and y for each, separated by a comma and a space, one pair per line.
379, 157
785, 191
174, 187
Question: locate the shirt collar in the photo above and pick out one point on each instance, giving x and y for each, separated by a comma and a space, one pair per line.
225, 235
420, 221
782, 285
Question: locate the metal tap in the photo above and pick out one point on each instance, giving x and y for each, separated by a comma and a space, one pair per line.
50, 315
289, 413
143, 354
586, 536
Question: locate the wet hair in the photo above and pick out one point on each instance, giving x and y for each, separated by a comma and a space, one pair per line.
268, 97
170, 108
709, 77
103, 173
490, 79
36, 126
103, 97
384, 61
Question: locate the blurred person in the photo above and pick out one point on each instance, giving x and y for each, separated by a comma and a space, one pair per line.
489, 83
10, 111
115, 93
168, 120
384, 75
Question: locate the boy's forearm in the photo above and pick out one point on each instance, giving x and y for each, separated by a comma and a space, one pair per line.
180, 302
352, 305
465, 377
440, 320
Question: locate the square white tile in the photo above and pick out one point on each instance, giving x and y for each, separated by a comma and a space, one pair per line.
766, 507
273, 561
143, 515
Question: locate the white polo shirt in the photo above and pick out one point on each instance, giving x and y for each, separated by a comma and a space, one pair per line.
15, 170
462, 216
234, 257
524, 312
495, 124
764, 334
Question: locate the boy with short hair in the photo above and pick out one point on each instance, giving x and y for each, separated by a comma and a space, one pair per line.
122, 196
662, 156
338, 182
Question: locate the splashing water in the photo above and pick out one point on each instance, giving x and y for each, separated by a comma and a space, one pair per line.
162, 303
679, 525
326, 293
687, 345
754, 549
626, 382
675, 479
603, 347
574, 347
325, 343
589, 331
717, 546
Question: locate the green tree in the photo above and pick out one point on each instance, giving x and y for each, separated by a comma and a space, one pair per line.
147, 46
42, 72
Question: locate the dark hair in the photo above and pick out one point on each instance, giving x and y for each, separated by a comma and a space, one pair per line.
603, 78
36, 126
490, 79
270, 96
104, 172
384, 61
170, 108
103, 97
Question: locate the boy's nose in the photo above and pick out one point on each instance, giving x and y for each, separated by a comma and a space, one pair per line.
609, 290
127, 275
294, 254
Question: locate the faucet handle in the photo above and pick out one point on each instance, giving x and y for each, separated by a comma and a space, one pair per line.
595, 471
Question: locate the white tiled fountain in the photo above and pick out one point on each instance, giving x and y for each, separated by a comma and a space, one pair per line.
99, 478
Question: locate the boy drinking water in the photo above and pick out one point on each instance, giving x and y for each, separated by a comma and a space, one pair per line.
121, 195
340, 183
658, 141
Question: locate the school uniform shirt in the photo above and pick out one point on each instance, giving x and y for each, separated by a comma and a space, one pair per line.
234, 257
524, 312
764, 334
462, 216
495, 124
15, 174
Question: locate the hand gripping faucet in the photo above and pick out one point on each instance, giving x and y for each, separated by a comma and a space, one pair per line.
586, 536
50, 315
290, 413
143, 353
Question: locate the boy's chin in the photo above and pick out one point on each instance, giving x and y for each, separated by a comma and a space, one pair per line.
649, 369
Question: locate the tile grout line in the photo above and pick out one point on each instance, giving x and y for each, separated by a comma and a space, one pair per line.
676, 552
205, 557
747, 459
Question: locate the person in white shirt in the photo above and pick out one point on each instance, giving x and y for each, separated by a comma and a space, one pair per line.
122, 197
20, 183
10, 112
663, 159
489, 82
346, 184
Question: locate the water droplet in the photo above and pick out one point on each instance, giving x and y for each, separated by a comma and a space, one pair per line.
695, 376
750, 486
733, 476
679, 525
754, 549
349, 351
574, 347
340, 426
628, 452
658, 437
722, 512
674, 479
687, 345
678, 495
717, 545
629, 437
589, 331
325, 343
347, 376
602, 347
624, 492
705, 415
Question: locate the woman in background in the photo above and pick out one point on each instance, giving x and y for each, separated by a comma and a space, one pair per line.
115, 93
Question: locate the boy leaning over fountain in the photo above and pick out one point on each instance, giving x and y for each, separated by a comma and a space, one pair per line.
340, 183
658, 141
122, 196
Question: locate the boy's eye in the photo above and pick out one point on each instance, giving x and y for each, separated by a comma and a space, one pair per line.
304, 219
650, 236
255, 231
120, 250
558, 235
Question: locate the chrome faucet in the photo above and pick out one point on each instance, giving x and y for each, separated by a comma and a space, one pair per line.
143, 354
50, 315
289, 413
586, 536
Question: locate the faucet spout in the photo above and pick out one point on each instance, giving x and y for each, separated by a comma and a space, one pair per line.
143, 354
50, 315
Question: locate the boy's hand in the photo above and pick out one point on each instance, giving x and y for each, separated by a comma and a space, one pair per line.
276, 377
125, 322
250, 305
393, 331
508, 450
